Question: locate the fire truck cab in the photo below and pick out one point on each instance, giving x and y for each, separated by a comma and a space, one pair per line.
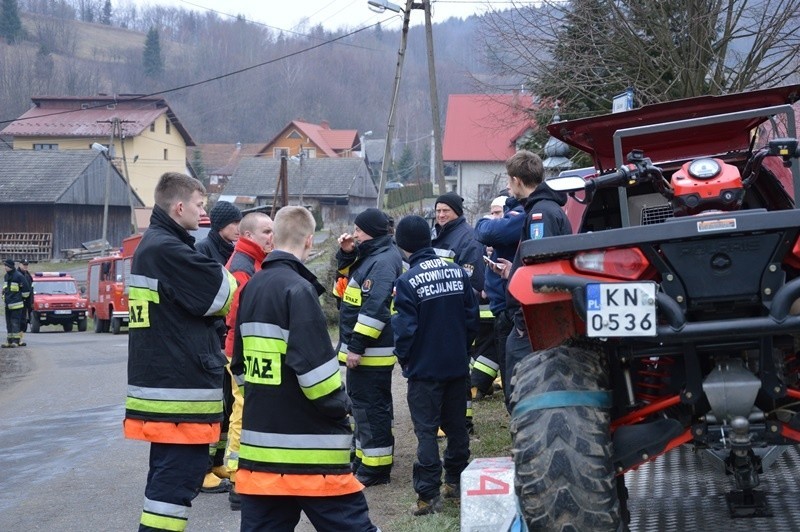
57, 301
108, 292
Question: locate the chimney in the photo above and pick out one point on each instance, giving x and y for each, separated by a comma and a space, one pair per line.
325, 124
238, 146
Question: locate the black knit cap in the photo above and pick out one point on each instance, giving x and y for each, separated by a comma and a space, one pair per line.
413, 233
9, 263
452, 200
223, 214
373, 222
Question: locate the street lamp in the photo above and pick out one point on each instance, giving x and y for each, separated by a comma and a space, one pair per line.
102, 149
379, 6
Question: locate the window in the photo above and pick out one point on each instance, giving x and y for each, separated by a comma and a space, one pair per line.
166, 155
153, 127
168, 127
277, 153
294, 135
38, 147
309, 153
486, 192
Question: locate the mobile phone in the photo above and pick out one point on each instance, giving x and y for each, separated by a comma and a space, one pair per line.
492, 263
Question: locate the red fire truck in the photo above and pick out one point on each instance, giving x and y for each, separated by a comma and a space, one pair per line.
57, 301
107, 287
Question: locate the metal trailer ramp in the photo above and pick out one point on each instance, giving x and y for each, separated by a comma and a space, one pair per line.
681, 492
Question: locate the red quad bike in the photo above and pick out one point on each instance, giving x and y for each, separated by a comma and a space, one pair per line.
671, 317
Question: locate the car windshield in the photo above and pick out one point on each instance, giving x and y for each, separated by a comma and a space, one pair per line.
54, 287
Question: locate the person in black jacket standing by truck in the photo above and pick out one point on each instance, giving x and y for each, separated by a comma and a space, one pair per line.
435, 322
15, 291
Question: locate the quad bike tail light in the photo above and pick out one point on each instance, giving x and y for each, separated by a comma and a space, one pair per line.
623, 263
706, 184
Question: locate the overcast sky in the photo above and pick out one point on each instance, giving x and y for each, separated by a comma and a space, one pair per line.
332, 14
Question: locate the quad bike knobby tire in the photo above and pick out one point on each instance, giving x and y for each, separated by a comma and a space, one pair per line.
564, 476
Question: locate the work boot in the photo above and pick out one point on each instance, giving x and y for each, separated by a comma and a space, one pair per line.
8, 344
221, 471
451, 491
213, 484
427, 507
372, 480
234, 499
497, 384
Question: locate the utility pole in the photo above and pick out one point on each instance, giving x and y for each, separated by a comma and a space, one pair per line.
387, 151
434, 93
134, 224
103, 253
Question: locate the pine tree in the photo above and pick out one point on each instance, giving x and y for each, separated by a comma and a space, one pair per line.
152, 60
10, 23
105, 17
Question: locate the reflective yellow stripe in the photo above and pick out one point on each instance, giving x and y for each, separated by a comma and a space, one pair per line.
366, 330
16, 306
381, 456
222, 301
294, 456
173, 407
162, 522
321, 389
264, 345
483, 368
352, 295
142, 294
378, 361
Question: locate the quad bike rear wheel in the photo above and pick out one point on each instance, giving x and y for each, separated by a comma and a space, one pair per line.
563, 457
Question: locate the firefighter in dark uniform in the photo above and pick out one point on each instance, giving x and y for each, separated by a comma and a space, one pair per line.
175, 365
26, 317
366, 341
544, 217
295, 447
453, 239
15, 291
435, 321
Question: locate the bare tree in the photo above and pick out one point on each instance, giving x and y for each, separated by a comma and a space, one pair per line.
586, 51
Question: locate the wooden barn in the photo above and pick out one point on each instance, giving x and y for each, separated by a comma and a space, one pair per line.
52, 201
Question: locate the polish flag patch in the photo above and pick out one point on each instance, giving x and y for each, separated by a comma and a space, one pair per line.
536, 216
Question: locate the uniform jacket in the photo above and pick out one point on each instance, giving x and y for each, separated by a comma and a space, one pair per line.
544, 217
215, 247
16, 290
175, 365
364, 317
435, 319
456, 241
295, 406
243, 264
502, 234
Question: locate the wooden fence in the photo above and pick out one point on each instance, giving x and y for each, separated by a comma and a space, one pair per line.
31, 246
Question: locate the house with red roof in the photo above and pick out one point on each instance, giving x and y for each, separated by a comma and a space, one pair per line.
481, 132
313, 141
219, 161
150, 137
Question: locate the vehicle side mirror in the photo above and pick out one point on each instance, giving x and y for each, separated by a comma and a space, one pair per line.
566, 183
83, 290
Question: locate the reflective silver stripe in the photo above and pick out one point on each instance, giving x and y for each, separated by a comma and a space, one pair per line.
296, 441
378, 451
165, 508
483, 360
222, 296
445, 253
142, 281
264, 330
318, 374
371, 322
371, 351
239, 380
175, 394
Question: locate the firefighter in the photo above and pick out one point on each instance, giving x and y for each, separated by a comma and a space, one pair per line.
502, 235
454, 240
218, 245
15, 291
26, 317
255, 241
295, 448
435, 322
175, 365
371, 263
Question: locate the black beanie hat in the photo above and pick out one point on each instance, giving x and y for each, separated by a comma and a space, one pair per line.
224, 213
452, 200
412, 234
373, 222
9, 263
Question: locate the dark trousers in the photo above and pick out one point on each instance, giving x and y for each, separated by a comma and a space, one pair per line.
502, 328
518, 346
217, 451
484, 358
433, 405
13, 323
371, 394
174, 479
327, 514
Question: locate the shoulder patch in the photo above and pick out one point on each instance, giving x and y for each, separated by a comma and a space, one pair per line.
469, 268
536, 231
366, 286
536, 216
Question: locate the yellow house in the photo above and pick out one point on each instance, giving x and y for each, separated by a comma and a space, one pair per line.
145, 136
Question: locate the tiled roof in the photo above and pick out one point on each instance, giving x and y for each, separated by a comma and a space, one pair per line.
222, 159
330, 141
484, 127
323, 177
29, 176
65, 117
